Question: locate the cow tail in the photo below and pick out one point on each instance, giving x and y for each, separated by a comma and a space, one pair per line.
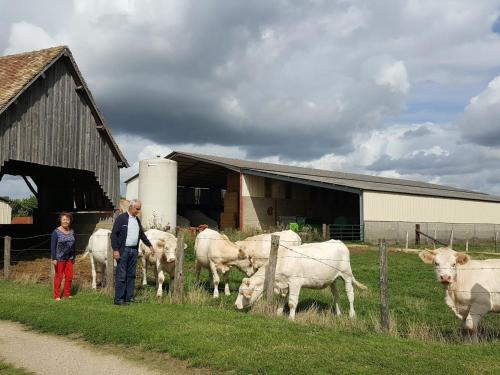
358, 284
87, 251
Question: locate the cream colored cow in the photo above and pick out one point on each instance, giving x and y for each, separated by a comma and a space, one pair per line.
218, 254
258, 247
313, 265
472, 287
163, 257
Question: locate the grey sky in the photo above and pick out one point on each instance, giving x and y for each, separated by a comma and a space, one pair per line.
395, 88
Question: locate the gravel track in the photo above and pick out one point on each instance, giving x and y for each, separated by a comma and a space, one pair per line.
49, 354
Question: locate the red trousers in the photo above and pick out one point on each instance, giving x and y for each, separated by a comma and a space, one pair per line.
63, 267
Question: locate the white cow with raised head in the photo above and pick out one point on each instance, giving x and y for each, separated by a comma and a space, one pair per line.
97, 247
313, 265
258, 247
163, 257
472, 287
218, 254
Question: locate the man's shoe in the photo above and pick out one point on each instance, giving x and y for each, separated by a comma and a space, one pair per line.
131, 300
120, 302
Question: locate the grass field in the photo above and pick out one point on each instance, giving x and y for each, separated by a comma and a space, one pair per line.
425, 336
6, 369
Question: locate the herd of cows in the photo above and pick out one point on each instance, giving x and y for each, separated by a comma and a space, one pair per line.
472, 286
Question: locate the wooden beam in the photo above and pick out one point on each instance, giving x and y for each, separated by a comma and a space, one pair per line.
30, 186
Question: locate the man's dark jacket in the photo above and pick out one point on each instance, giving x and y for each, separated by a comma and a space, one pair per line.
120, 229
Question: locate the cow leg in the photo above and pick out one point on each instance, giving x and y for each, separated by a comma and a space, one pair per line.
280, 310
350, 295
472, 320
160, 278
144, 270
215, 278
227, 292
293, 299
336, 298
102, 271
93, 273
197, 267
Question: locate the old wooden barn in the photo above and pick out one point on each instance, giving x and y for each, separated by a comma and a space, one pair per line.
52, 131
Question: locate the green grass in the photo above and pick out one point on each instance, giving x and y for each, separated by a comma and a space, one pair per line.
6, 369
425, 336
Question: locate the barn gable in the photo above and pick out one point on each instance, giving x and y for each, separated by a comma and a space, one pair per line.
49, 119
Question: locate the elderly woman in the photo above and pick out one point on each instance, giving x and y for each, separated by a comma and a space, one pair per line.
62, 247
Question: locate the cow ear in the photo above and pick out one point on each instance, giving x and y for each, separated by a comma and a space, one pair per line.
426, 256
462, 258
241, 254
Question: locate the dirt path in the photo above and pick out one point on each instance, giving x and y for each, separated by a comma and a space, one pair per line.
48, 354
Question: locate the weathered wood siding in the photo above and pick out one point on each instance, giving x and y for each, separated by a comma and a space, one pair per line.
52, 124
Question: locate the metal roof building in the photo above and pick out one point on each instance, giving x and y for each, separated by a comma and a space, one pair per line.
367, 207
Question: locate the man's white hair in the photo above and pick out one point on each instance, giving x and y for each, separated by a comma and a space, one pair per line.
133, 202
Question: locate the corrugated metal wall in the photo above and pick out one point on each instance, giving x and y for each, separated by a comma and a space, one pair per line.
5, 213
408, 208
52, 124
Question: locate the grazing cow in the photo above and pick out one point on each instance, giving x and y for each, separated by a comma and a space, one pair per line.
163, 257
314, 265
472, 286
258, 247
217, 253
98, 249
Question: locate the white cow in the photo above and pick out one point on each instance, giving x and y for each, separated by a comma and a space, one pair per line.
258, 247
163, 257
314, 265
217, 253
98, 249
472, 286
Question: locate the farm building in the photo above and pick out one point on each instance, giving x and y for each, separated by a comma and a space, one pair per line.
5, 211
357, 207
52, 131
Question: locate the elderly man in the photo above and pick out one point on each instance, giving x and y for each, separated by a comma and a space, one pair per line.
127, 231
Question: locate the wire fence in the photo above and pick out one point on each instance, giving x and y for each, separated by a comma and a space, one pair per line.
259, 282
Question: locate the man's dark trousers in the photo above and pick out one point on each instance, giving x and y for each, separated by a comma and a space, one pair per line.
125, 275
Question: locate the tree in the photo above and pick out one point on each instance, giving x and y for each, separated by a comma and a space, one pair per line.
24, 206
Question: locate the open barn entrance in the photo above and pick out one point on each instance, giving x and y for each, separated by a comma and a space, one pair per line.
270, 201
207, 194
59, 189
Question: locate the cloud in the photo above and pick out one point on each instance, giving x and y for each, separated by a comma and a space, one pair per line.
394, 76
480, 122
27, 37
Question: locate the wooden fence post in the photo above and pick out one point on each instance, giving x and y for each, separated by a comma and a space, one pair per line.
467, 245
6, 256
271, 269
325, 232
178, 287
110, 265
451, 240
406, 245
384, 287
417, 234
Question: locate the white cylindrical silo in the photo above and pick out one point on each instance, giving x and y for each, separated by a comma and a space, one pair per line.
158, 193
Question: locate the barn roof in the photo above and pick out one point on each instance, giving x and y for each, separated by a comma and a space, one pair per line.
19, 71
194, 163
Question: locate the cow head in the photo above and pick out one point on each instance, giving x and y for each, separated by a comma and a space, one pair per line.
250, 290
165, 248
445, 261
244, 263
